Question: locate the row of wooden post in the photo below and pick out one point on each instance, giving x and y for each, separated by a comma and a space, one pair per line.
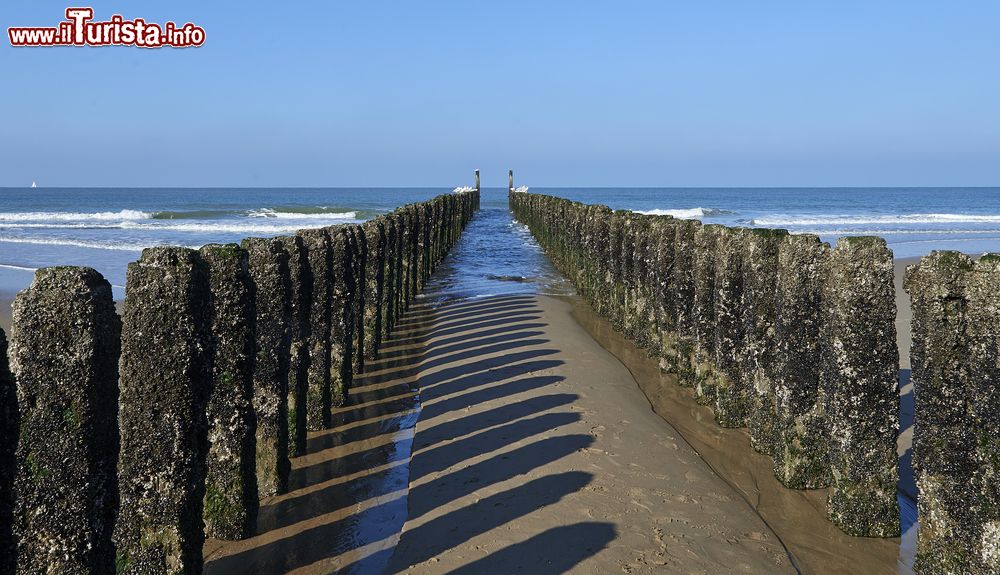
778, 333
125, 441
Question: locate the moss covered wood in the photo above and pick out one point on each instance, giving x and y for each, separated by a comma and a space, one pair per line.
860, 378
342, 322
300, 277
8, 443
760, 293
801, 427
231, 501
65, 345
318, 394
166, 378
272, 288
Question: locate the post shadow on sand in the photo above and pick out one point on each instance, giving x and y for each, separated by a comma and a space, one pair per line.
350, 500
459, 526
572, 543
369, 525
907, 481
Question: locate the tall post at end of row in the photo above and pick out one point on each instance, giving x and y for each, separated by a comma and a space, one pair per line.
477, 180
510, 180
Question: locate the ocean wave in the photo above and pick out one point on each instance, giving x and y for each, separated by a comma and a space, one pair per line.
73, 216
893, 232
117, 246
18, 268
284, 227
302, 214
686, 213
842, 220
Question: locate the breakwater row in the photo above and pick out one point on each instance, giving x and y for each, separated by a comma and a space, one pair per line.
956, 441
778, 333
126, 440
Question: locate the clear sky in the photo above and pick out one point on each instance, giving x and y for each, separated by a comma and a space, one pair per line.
570, 93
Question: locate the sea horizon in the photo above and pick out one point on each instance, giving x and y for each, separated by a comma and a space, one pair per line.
107, 227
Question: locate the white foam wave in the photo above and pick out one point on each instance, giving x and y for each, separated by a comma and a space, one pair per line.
117, 246
685, 213
285, 226
18, 268
893, 232
73, 216
842, 220
269, 213
463, 190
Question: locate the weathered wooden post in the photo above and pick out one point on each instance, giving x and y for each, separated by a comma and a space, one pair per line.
64, 353
8, 443
706, 245
318, 394
300, 327
730, 379
359, 247
272, 290
954, 363
231, 501
666, 310
477, 180
760, 294
510, 181
984, 403
801, 427
341, 315
166, 379
684, 287
860, 378
374, 231
389, 278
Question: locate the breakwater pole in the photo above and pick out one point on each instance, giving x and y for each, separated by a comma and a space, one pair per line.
956, 440
169, 424
269, 273
165, 381
8, 463
66, 485
231, 500
300, 307
778, 333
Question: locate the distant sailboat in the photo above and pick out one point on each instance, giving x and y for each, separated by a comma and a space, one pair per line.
34, 184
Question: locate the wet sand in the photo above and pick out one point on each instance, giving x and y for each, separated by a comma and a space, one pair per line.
536, 452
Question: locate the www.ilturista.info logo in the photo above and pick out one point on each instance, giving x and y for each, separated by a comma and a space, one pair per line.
79, 29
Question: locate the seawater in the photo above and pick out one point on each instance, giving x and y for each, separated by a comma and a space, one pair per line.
106, 228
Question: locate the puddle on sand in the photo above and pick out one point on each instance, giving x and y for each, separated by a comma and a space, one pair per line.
797, 518
347, 499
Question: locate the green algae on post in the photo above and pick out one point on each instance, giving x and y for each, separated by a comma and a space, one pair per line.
730, 378
760, 280
166, 378
272, 288
954, 361
8, 442
231, 501
300, 275
801, 427
860, 379
68, 448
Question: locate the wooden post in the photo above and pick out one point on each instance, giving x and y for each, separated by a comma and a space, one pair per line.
477, 180
510, 180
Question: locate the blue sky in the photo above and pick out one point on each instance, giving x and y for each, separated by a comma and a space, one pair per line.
566, 93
